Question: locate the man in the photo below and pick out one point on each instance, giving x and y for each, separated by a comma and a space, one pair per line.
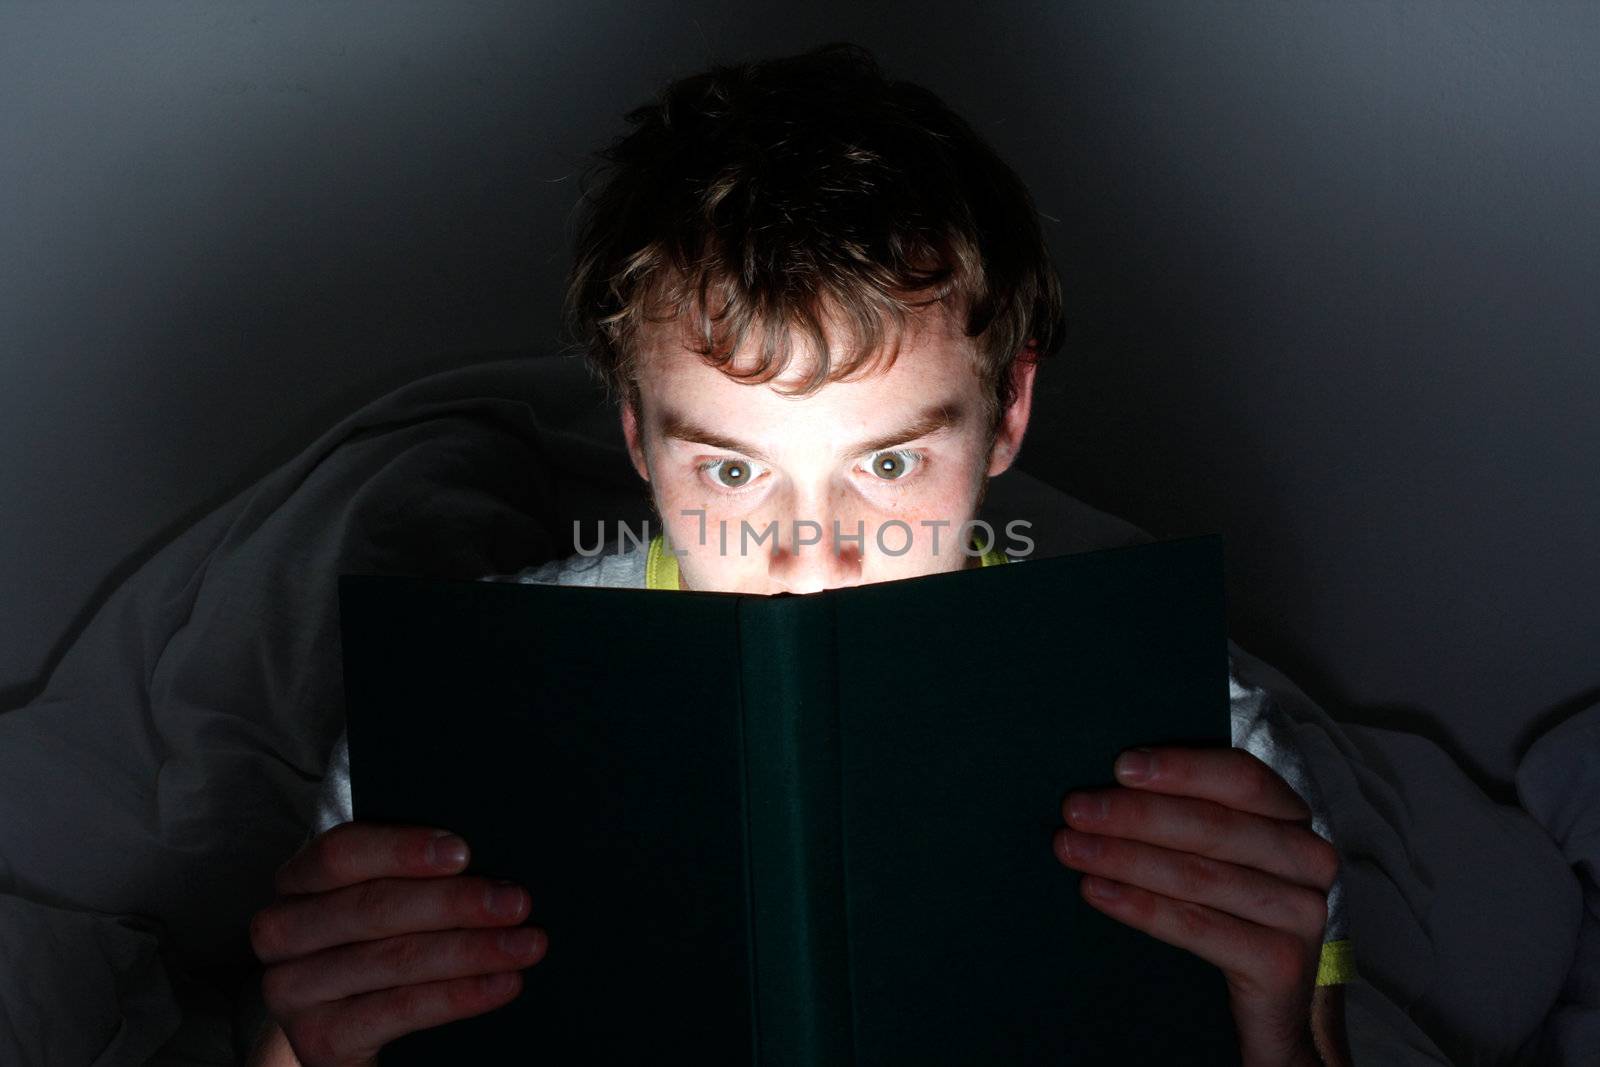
821, 301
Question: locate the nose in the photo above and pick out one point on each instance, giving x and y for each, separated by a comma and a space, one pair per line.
808, 557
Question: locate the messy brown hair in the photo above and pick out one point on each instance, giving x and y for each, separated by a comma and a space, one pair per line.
800, 192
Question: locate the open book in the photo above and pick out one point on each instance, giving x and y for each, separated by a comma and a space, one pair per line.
800, 829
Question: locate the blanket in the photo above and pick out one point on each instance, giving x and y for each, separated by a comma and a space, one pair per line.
172, 758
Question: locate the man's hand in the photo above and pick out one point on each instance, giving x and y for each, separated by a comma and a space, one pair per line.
1211, 851
375, 934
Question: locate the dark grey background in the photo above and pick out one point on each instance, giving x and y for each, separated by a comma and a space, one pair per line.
1332, 272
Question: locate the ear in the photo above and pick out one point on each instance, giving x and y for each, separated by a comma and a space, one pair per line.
1014, 420
630, 434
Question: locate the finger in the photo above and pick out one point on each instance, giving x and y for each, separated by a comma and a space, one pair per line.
1229, 776
355, 852
297, 985
1254, 957
385, 907
1249, 894
354, 1030
1291, 851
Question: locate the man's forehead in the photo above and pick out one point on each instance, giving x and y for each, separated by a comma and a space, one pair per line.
930, 345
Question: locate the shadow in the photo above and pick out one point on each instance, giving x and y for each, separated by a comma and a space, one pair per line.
1419, 721
1318, 684
344, 279
306, 428
1554, 716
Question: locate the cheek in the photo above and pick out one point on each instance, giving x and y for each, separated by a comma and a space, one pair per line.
943, 504
694, 517
948, 491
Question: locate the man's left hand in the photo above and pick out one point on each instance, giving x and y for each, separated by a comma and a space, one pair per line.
1210, 850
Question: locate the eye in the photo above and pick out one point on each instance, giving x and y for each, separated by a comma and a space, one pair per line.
894, 465
731, 475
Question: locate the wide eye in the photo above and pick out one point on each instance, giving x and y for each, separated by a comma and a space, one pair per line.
732, 474
893, 465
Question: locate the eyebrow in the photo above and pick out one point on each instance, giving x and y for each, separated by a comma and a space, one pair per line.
945, 415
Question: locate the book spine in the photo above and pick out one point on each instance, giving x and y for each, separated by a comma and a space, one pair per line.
800, 964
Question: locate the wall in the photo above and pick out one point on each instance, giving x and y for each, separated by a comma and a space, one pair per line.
1330, 270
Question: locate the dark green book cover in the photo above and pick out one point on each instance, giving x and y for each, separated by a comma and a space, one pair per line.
800, 829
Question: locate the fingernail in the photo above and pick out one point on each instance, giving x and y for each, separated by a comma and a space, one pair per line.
1084, 807
1133, 765
498, 985
1101, 889
521, 942
447, 852
1079, 846
504, 901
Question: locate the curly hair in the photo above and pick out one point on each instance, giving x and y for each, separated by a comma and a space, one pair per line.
785, 194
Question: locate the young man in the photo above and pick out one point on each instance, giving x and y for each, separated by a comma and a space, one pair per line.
822, 301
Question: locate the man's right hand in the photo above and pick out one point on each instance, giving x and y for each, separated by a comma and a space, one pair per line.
375, 933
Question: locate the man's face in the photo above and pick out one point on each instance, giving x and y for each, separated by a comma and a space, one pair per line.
743, 476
